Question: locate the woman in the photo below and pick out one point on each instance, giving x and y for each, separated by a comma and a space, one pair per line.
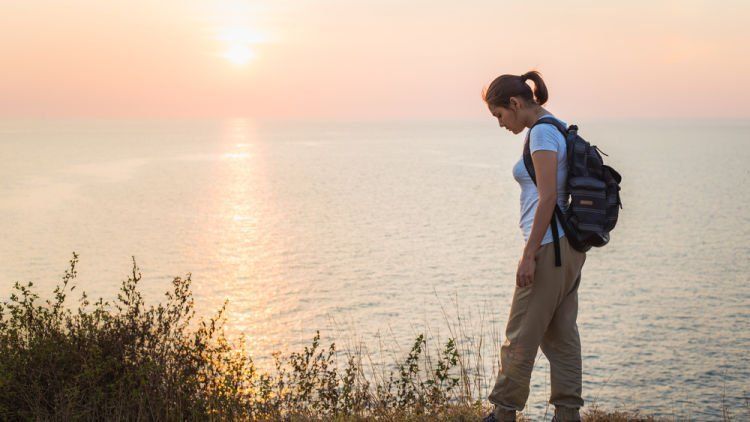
545, 301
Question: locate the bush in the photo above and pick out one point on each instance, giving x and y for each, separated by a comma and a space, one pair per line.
126, 360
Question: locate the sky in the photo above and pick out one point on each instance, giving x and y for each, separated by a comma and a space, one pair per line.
362, 59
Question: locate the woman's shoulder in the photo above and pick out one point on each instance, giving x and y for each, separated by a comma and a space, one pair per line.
546, 136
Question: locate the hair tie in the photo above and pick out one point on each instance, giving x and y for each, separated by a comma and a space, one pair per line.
523, 77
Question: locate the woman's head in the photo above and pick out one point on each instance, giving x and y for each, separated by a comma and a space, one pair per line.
511, 100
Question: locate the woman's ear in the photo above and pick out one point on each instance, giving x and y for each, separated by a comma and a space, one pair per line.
514, 104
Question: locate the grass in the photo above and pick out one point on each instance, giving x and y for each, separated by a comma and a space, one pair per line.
127, 361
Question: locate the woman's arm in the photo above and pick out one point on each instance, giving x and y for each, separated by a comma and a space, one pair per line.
545, 167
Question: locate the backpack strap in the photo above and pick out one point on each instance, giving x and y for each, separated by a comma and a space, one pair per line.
529, 164
554, 122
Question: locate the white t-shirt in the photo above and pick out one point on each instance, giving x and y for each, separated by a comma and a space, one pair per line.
543, 137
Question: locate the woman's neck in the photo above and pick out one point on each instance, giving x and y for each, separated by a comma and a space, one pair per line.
535, 114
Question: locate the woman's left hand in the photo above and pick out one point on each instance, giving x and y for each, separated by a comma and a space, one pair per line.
525, 272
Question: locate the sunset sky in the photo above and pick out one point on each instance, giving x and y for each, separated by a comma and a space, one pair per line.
383, 59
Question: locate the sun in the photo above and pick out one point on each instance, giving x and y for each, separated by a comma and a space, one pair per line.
238, 44
239, 54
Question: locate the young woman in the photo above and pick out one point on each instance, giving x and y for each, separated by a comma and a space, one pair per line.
545, 301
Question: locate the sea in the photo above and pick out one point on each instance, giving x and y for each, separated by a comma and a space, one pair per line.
375, 232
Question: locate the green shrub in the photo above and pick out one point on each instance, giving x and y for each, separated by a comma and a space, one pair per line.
126, 360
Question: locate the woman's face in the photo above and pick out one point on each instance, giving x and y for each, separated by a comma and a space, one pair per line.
507, 118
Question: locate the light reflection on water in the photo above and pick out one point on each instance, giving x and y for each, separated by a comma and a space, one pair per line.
368, 230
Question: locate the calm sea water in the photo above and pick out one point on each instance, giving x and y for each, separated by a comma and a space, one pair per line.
375, 232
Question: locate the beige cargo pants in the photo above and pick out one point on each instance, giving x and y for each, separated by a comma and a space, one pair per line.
543, 314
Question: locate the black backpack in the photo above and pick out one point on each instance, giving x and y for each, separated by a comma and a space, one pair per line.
594, 192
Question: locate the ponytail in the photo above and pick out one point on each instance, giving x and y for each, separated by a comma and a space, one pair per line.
540, 89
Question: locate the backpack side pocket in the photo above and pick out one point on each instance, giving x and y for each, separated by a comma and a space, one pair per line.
612, 179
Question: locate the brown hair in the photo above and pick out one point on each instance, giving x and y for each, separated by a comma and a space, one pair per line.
506, 86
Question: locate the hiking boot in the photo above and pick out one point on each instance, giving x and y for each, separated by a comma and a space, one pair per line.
566, 414
500, 414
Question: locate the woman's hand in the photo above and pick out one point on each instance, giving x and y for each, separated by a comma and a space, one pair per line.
525, 272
